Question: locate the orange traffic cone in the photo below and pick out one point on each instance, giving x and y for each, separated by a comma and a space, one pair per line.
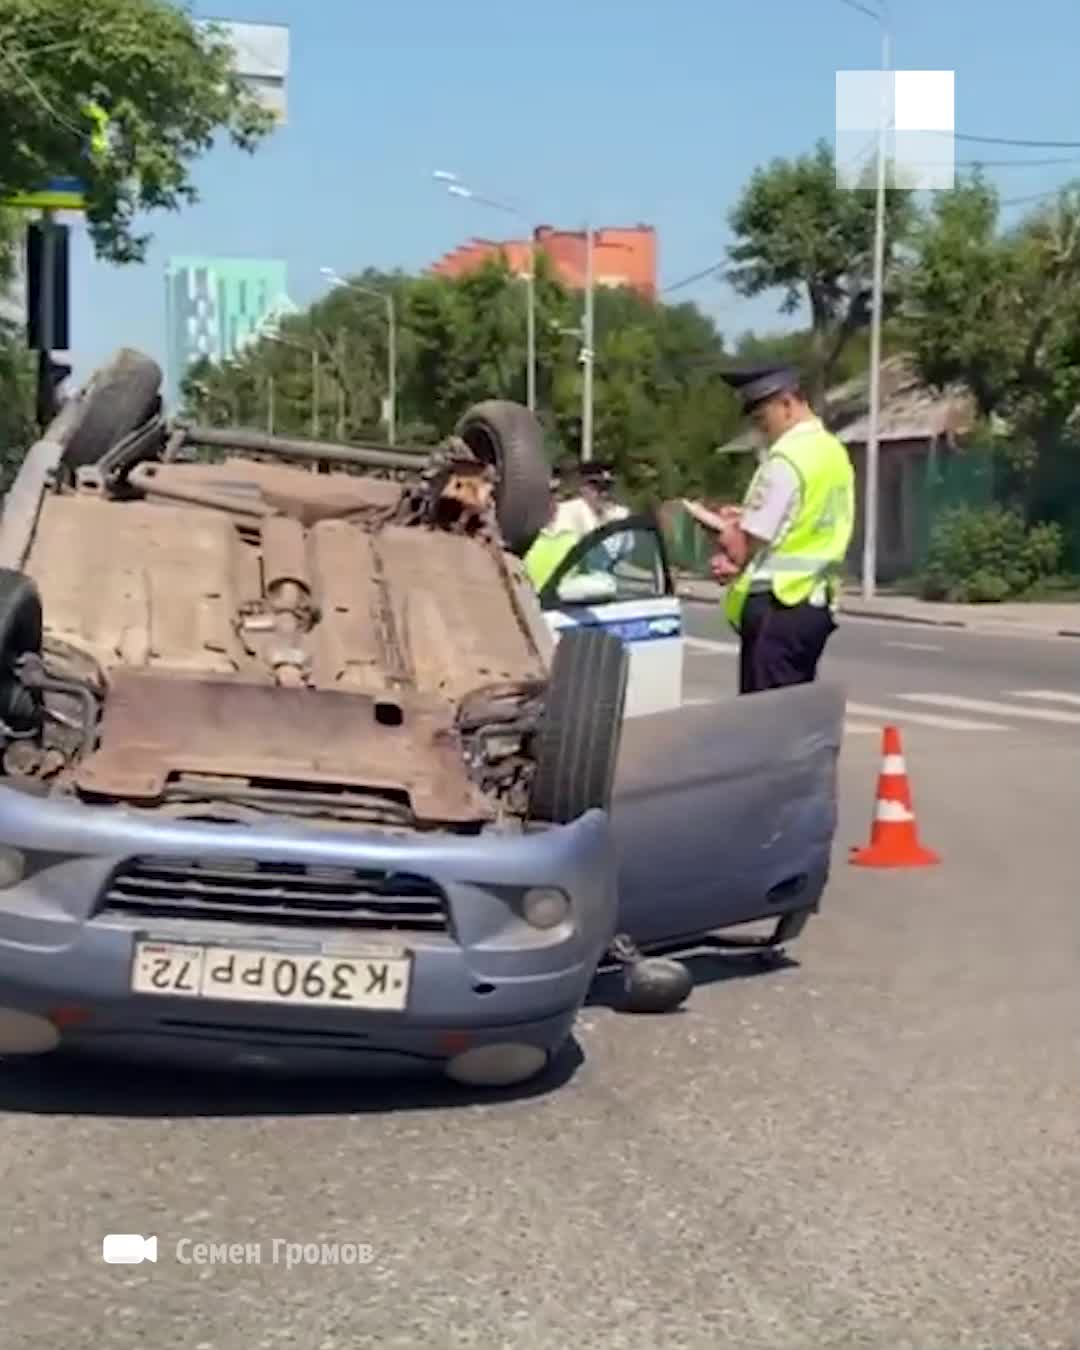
894, 837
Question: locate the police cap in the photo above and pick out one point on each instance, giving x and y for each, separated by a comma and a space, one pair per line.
758, 383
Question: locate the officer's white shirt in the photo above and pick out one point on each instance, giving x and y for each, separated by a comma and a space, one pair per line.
578, 516
773, 502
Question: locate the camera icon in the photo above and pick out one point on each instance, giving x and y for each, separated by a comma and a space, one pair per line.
128, 1249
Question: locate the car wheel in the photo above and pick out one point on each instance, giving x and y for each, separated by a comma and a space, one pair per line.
121, 397
509, 437
577, 741
656, 984
20, 633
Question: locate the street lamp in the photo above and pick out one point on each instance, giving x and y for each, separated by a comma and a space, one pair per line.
457, 188
391, 343
870, 509
313, 353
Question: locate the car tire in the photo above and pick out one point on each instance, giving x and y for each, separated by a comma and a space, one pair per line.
655, 984
509, 437
20, 632
121, 397
577, 741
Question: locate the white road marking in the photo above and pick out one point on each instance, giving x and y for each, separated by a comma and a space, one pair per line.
892, 715
850, 728
984, 705
1046, 695
708, 645
916, 646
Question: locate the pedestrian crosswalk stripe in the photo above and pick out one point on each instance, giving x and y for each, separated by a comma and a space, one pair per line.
708, 645
1046, 695
984, 705
920, 719
851, 728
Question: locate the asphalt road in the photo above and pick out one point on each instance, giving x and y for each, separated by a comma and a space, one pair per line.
922, 678
874, 1147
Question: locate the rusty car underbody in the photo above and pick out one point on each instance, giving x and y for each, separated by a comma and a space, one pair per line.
229, 639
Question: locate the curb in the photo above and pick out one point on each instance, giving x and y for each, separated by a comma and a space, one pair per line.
987, 626
860, 613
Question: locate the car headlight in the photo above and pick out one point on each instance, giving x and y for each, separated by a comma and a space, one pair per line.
545, 906
12, 866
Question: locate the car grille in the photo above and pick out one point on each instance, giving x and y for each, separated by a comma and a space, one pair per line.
297, 894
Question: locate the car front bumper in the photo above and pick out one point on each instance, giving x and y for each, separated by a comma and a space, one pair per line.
490, 978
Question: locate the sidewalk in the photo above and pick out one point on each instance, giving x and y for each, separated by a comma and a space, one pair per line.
1034, 619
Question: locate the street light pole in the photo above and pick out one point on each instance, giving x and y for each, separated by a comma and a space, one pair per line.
314, 394
530, 357
457, 188
391, 344
870, 535
391, 374
588, 353
871, 488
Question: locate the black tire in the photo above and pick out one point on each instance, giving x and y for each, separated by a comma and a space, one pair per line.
577, 742
122, 396
655, 984
508, 436
20, 632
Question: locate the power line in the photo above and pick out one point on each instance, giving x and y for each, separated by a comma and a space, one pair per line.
696, 276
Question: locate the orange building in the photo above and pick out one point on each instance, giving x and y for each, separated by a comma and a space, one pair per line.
622, 256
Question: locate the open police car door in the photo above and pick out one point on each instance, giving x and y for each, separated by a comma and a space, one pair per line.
618, 578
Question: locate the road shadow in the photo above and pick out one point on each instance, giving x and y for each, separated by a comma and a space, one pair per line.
710, 961
83, 1087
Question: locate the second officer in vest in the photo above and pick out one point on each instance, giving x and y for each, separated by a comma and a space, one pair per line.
782, 552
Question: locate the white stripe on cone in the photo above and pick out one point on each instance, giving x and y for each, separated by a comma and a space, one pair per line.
893, 813
893, 765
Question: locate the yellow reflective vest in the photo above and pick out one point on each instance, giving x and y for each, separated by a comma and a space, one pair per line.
549, 548
811, 551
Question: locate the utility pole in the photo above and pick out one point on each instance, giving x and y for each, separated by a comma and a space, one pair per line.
270, 404
530, 369
314, 394
341, 385
391, 373
587, 354
457, 188
870, 511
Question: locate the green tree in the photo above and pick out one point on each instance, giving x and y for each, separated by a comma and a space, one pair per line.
1000, 310
167, 86
660, 406
798, 231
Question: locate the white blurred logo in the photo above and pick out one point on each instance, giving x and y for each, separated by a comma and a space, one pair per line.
128, 1249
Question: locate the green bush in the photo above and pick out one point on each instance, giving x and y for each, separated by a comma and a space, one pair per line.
985, 555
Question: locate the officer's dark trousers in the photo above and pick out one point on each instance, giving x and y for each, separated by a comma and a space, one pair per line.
780, 644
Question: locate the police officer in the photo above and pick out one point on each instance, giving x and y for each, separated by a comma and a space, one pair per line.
782, 552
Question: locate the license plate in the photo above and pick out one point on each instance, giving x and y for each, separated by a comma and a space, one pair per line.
368, 980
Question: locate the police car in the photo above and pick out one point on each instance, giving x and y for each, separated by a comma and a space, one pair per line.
618, 578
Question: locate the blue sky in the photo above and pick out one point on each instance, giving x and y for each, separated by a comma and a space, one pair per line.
615, 111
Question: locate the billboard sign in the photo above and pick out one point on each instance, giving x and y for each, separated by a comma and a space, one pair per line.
261, 58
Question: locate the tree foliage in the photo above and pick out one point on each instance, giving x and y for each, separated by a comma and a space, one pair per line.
999, 310
167, 86
798, 231
660, 406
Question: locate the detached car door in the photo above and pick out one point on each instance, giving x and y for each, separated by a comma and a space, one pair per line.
724, 813
618, 578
